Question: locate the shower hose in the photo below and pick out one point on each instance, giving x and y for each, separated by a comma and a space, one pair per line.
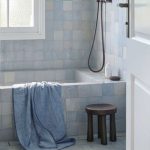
103, 42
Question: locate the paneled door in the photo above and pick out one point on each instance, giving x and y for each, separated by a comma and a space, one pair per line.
138, 80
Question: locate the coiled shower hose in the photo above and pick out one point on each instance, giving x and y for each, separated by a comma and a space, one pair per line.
103, 44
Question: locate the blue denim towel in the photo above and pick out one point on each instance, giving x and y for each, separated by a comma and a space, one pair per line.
39, 117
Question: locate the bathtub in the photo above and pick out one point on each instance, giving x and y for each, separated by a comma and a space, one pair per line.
79, 88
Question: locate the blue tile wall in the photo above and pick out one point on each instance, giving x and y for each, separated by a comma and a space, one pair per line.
115, 38
67, 43
69, 32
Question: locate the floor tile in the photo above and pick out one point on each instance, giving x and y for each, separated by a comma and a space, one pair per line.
81, 144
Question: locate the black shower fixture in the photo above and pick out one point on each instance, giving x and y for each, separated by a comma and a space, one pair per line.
105, 1
99, 2
109, 1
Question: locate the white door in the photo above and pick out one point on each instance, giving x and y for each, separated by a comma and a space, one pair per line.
138, 81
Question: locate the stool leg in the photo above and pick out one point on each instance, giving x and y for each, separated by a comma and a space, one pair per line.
99, 127
104, 130
112, 128
90, 128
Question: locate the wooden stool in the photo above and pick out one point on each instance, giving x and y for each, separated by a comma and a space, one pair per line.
101, 110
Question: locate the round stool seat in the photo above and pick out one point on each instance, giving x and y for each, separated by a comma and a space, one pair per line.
101, 109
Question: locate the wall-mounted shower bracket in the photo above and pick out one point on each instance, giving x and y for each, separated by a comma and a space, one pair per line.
105, 1
108, 1
123, 5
